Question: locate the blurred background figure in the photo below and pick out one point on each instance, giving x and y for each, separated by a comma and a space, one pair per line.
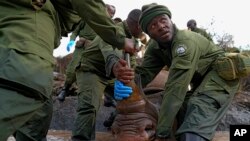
86, 33
192, 25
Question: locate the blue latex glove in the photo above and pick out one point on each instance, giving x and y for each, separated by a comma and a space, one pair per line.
70, 44
121, 91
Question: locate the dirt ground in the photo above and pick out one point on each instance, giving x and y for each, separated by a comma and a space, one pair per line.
55, 135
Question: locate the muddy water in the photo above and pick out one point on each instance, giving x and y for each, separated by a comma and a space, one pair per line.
56, 135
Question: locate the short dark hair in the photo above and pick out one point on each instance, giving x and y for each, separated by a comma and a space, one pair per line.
191, 22
134, 15
117, 20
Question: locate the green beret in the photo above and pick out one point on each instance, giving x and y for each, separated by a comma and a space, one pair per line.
149, 12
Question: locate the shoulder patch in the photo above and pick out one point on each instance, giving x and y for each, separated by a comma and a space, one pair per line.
181, 50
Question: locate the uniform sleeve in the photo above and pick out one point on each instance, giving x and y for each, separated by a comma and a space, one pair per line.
111, 56
93, 12
151, 64
69, 18
76, 32
185, 58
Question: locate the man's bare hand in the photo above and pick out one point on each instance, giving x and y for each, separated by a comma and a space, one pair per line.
82, 42
122, 72
129, 46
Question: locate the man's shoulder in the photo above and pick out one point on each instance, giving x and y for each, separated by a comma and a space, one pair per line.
200, 30
184, 34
